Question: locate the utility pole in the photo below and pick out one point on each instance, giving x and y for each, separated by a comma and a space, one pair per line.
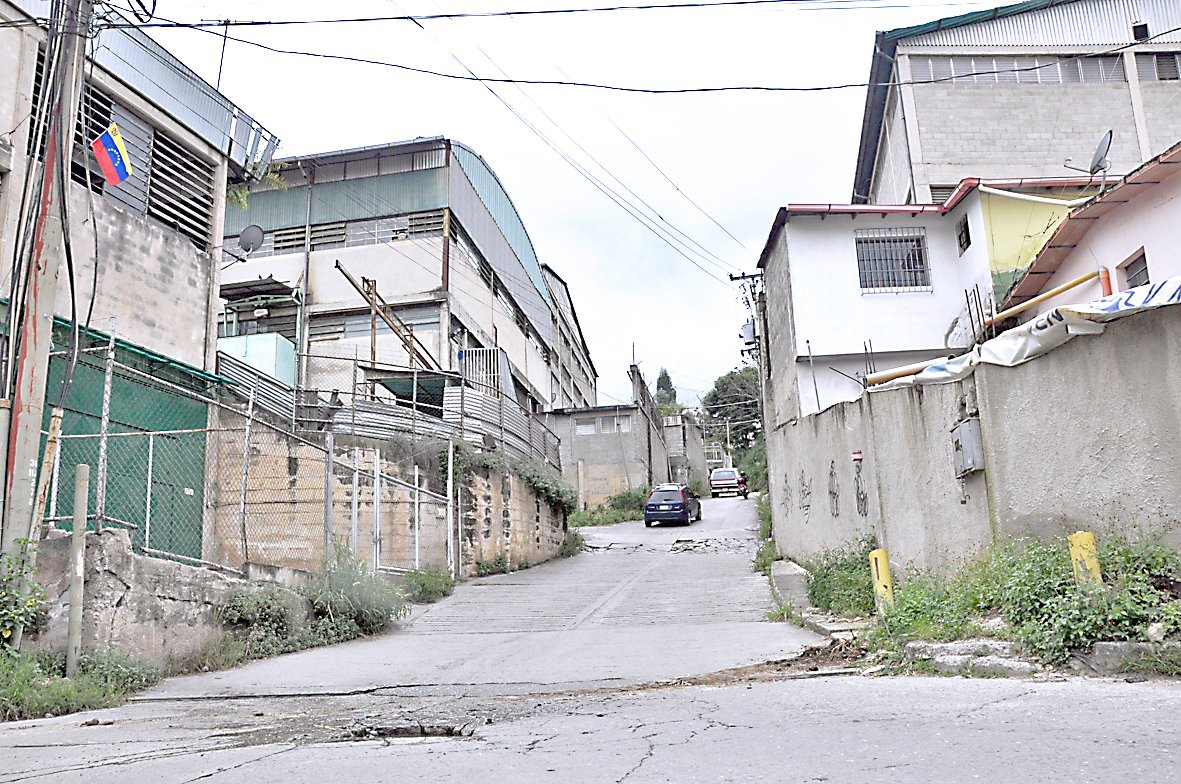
36, 328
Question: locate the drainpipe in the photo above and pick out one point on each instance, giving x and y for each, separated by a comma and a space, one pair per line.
305, 284
1105, 281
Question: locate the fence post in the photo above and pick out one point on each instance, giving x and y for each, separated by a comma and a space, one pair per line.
417, 508
148, 494
78, 562
57, 464
450, 507
356, 491
500, 397
328, 494
376, 507
100, 492
414, 405
245, 471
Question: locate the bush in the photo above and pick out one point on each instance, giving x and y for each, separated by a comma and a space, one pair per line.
34, 684
345, 590
766, 555
573, 543
497, 565
266, 621
428, 585
19, 608
619, 508
839, 580
597, 516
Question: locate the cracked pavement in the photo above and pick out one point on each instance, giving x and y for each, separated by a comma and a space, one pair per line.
597, 669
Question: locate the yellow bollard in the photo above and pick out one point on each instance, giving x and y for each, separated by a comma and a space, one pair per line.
1085, 557
883, 585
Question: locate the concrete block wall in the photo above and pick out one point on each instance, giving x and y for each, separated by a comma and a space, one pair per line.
1085, 437
1162, 114
1021, 130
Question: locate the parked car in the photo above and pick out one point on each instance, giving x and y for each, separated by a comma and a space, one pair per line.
727, 480
671, 504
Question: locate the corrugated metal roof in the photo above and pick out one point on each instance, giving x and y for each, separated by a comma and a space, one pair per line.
497, 201
1080, 23
148, 68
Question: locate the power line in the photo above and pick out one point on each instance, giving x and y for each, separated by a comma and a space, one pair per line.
827, 5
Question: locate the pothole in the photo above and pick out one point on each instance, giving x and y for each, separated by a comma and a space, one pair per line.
412, 729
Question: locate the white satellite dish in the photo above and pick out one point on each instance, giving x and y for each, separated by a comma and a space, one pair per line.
1099, 160
250, 239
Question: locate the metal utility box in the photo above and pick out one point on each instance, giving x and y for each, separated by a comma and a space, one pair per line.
967, 446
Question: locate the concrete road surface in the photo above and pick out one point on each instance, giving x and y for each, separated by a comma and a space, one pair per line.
568, 672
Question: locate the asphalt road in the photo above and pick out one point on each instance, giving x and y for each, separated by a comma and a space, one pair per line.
569, 672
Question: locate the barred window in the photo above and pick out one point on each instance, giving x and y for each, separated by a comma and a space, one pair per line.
584, 427
892, 260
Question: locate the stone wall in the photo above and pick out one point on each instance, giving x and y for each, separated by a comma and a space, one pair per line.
154, 610
501, 514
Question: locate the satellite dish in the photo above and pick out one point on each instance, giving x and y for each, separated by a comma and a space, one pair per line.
1099, 160
250, 239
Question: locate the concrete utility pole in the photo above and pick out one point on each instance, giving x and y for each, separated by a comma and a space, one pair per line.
36, 328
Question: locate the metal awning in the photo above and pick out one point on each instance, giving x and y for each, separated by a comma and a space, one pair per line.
401, 383
252, 289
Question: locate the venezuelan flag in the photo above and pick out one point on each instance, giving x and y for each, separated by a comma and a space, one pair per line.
112, 156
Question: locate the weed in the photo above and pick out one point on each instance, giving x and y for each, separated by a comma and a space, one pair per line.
428, 585
347, 591
784, 612
766, 555
22, 602
839, 580
497, 565
598, 516
764, 508
573, 543
33, 685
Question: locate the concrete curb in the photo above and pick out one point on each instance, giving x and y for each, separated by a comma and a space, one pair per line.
789, 585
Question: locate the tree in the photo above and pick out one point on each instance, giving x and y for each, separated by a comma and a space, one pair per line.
734, 399
666, 395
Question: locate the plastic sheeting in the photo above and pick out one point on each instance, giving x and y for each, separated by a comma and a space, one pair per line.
1047, 332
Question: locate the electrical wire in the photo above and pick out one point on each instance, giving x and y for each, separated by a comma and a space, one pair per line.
826, 5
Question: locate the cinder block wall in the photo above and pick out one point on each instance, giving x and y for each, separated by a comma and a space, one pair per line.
501, 514
1085, 437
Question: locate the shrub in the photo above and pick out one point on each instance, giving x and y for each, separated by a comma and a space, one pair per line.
573, 543
22, 602
839, 580
497, 565
766, 555
597, 516
428, 585
346, 590
266, 621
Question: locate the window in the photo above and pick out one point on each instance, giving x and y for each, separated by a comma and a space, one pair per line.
892, 260
963, 238
1136, 271
1166, 67
584, 427
1043, 69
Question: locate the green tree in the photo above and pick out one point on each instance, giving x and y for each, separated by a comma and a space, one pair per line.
734, 399
666, 395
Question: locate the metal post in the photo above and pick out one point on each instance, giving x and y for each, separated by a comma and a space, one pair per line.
376, 507
414, 405
356, 491
450, 507
148, 494
328, 495
57, 464
78, 561
371, 288
416, 516
245, 471
100, 492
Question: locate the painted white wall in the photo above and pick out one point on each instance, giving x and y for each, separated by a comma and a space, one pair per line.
830, 309
1147, 221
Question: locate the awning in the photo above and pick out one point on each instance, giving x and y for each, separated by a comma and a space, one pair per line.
251, 289
401, 383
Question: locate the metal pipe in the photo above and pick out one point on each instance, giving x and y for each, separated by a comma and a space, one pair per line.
78, 562
1105, 281
328, 494
356, 489
451, 507
245, 469
417, 516
376, 507
883, 376
1040, 298
148, 494
815, 388
100, 492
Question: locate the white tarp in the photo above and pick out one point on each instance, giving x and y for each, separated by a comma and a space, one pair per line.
1047, 332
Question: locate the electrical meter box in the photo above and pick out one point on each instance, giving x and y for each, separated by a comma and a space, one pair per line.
968, 448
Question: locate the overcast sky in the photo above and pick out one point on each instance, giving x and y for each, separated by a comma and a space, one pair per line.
738, 156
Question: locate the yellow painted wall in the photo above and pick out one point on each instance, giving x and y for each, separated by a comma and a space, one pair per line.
1017, 230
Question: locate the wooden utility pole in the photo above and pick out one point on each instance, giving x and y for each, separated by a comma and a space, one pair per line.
35, 330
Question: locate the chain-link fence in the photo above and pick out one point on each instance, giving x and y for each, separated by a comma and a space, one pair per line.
207, 476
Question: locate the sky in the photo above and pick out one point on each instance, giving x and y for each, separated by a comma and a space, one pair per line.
709, 169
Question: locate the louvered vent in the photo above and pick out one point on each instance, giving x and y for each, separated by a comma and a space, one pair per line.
180, 189
426, 223
939, 193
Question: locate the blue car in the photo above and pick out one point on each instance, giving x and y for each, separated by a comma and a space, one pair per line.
671, 504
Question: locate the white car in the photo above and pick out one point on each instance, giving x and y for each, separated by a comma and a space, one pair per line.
727, 480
